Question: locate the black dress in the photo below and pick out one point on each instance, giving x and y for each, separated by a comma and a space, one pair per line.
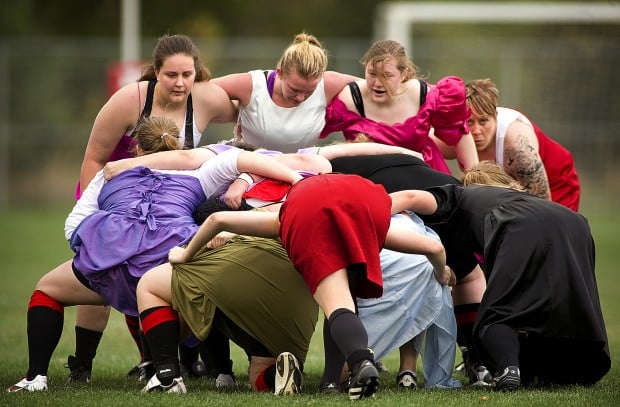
398, 172
538, 257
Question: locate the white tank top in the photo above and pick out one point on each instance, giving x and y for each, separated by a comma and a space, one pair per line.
505, 117
264, 124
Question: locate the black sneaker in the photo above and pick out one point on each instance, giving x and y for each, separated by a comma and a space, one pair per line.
78, 373
479, 376
363, 381
508, 380
195, 370
329, 389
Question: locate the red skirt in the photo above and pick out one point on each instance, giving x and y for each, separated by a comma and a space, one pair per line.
334, 221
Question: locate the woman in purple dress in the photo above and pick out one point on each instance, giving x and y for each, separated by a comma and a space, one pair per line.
121, 228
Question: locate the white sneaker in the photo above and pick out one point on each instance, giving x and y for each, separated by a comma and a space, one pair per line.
39, 383
225, 381
154, 385
288, 375
407, 380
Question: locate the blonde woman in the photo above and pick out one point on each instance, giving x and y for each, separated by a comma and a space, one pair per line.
284, 109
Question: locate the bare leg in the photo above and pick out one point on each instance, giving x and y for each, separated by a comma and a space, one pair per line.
407, 376
93, 317
408, 357
469, 289
62, 285
154, 288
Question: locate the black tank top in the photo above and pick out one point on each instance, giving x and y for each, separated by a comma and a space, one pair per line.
359, 102
189, 114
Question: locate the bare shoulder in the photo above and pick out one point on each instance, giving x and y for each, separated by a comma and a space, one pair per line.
125, 105
335, 82
521, 134
208, 90
234, 83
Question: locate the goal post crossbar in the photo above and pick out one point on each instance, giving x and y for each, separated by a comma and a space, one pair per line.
395, 19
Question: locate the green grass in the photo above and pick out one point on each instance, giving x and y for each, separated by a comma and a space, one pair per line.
32, 242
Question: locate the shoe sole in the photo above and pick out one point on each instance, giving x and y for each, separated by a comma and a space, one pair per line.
365, 386
509, 383
480, 383
286, 370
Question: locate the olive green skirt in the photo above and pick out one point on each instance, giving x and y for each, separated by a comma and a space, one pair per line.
253, 283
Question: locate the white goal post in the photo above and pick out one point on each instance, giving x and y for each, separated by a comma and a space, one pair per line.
395, 19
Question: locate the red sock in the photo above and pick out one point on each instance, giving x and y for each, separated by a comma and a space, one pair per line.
40, 299
260, 382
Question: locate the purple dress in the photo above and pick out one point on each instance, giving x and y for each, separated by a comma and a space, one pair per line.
143, 214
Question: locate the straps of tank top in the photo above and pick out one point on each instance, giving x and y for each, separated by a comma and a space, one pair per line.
189, 124
189, 113
148, 103
357, 98
423, 91
356, 95
271, 81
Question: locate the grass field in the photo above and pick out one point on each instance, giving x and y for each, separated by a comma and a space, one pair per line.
32, 242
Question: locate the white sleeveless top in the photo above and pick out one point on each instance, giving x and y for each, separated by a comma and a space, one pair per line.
505, 117
264, 124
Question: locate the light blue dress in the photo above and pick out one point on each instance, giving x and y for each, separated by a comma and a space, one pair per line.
413, 305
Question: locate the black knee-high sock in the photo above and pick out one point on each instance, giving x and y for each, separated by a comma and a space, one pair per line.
269, 376
349, 334
45, 323
218, 346
501, 345
333, 358
146, 350
86, 344
133, 324
161, 330
188, 355
466, 315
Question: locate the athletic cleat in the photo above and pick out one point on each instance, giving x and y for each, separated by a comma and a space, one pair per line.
509, 380
154, 385
364, 380
146, 370
39, 383
78, 373
407, 380
479, 376
195, 369
330, 389
288, 375
225, 381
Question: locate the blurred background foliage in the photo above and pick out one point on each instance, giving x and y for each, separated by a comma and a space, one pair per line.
56, 57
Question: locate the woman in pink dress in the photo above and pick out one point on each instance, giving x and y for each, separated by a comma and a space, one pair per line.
392, 107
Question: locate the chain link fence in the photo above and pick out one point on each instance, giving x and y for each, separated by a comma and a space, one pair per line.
52, 88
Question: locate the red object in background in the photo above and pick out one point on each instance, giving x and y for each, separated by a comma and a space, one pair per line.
121, 73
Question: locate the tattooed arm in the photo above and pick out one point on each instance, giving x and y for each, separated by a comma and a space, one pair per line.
522, 161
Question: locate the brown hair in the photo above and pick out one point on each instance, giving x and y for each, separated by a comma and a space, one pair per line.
306, 56
482, 96
489, 173
169, 45
383, 50
156, 133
